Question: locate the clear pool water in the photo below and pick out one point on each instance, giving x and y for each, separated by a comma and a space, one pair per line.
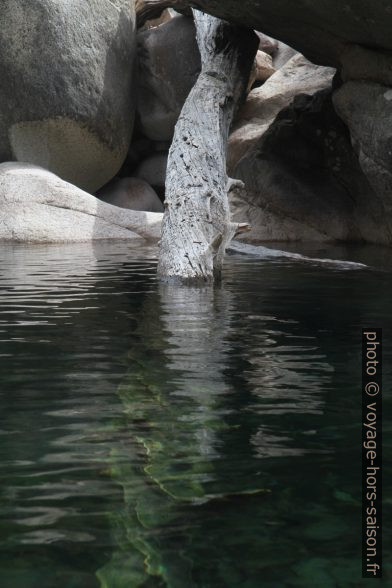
153, 436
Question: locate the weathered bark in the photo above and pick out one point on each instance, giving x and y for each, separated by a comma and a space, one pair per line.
196, 225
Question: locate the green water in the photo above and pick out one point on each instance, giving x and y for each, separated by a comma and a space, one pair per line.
172, 437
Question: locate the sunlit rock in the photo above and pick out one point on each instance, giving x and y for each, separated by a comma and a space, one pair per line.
38, 207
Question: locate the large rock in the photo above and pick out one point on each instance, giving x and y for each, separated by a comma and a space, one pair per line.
303, 181
297, 76
131, 193
280, 52
262, 69
354, 37
166, 16
38, 207
366, 108
268, 44
169, 64
153, 170
283, 55
66, 98
321, 30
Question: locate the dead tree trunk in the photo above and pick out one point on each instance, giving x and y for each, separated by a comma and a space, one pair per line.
196, 225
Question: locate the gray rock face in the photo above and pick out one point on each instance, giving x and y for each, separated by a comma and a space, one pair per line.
38, 207
283, 55
303, 180
280, 52
262, 69
153, 170
353, 36
321, 30
268, 44
297, 76
66, 97
169, 64
131, 193
156, 22
366, 108
304, 183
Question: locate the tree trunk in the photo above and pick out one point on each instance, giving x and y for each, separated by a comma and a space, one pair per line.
196, 225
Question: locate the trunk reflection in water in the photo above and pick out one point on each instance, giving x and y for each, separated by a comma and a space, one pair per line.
154, 436
198, 492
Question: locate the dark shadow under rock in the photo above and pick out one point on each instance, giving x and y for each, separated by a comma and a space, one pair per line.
169, 65
131, 193
304, 182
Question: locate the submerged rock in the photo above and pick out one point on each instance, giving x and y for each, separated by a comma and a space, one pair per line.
131, 193
66, 99
36, 206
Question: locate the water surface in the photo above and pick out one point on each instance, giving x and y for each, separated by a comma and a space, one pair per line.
174, 437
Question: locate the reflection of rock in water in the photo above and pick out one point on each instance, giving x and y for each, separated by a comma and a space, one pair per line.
195, 407
230, 394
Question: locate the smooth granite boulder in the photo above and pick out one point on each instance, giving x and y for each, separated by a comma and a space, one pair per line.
131, 193
66, 91
295, 189
303, 180
366, 108
153, 170
37, 206
169, 65
297, 76
321, 30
